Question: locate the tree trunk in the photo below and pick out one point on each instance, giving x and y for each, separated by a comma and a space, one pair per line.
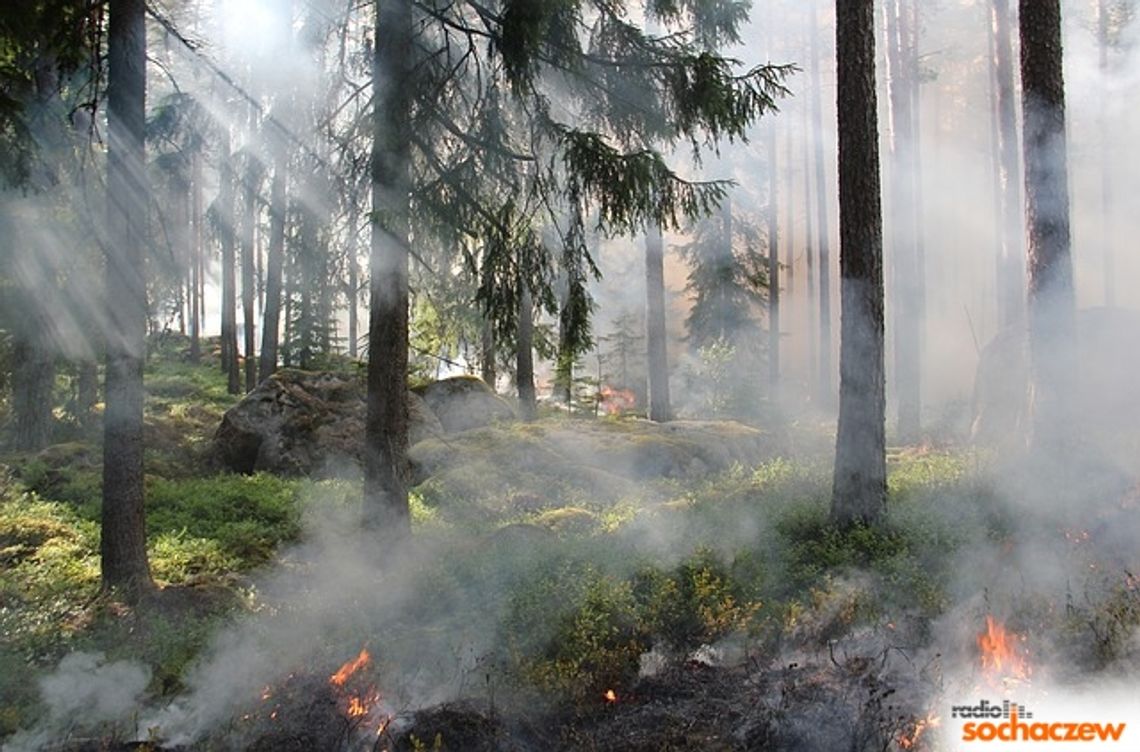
386, 423
123, 533
524, 356
564, 367
904, 226
1052, 308
859, 490
823, 232
250, 188
1106, 197
274, 262
353, 284
773, 268
226, 217
487, 353
809, 259
33, 379
87, 390
1011, 285
196, 216
655, 334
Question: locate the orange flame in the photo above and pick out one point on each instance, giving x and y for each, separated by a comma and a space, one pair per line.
616, 401
909, 741
351, 667
359, 706
1003, 657
610, 696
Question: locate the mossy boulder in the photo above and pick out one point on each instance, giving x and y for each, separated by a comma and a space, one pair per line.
465, 402
305, 423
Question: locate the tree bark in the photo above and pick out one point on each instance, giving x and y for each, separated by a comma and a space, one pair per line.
274, 261
524, 356
196, 217
487, 353
386, 423
859, 490
125, 568
250, 188
227, 232
823, 232
904, 226
1011, 284
773, 268
1052, 306
655, 333
33, 379
1106, 197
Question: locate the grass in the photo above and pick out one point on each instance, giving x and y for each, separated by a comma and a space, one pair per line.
572, 573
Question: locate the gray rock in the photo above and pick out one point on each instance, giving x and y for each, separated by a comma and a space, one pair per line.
305, 423
465, 402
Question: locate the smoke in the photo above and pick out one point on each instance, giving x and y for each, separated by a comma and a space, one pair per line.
85, 694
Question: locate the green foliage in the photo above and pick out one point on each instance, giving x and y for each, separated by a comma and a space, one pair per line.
588, 643
246, 516
695, 604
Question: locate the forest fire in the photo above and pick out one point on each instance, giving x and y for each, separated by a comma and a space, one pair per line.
610, 696
349, 668
616, 401
1003, 654
910, 740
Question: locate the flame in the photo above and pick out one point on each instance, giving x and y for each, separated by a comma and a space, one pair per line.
359, 706
351, 667
1003, 655
616, 401
909, 741
610, 696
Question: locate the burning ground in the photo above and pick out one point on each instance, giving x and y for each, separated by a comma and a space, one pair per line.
550, 601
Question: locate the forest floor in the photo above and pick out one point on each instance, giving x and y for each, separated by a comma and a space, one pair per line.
547, 610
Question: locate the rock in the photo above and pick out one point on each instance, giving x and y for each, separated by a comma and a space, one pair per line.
305, 423
465, 402
1108, 399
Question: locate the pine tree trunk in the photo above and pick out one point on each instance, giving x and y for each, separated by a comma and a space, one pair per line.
1011, 284
33, 379
353, 285
87, 390
196, 216
904, 227
773, 268
250, 187
524, 356
1052, 307
655, 334
564, 367
274, 261
809, 259
227, 231
1106, 197
123, 532
487, 353
823, 231
859, 489
386, 424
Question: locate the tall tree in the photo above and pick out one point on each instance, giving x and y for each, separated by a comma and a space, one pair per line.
225, 216
822, 227
904, 221
386, 423
655, 332
524, 354
123, 541
1010, 269
275, 256
1106, 197
250, 184
859, 489
773, 216
1052, 306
